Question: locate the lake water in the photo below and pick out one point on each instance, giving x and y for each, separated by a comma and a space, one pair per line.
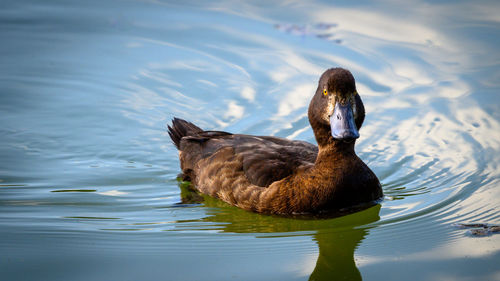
88, 187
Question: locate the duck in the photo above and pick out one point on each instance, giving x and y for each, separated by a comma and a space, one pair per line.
273, 175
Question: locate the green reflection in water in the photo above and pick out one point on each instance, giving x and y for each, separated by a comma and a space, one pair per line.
337, 238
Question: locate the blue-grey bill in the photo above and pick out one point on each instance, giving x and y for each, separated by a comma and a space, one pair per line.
342, 123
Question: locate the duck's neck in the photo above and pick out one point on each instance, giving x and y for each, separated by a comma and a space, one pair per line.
334, 152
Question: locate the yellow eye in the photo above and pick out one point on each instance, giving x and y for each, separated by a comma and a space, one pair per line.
325, 92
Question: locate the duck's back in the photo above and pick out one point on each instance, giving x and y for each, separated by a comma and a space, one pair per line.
211, 159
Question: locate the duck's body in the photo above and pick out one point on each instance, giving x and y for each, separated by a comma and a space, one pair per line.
281, 176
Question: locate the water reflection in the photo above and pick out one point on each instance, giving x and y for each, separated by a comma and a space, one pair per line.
337, 238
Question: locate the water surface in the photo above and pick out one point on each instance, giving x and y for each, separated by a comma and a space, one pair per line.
88, 187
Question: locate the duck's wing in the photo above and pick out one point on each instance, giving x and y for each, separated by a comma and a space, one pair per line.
263, 160
269, 159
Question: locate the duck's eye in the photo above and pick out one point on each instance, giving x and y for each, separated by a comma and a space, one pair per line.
325, 92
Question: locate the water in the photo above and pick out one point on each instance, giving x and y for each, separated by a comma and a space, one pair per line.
88, 187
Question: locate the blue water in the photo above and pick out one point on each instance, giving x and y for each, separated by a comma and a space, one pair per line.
88, 187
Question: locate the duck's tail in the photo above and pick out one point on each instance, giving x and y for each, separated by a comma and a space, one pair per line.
181, 128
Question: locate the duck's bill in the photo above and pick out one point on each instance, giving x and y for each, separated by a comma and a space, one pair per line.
342, 123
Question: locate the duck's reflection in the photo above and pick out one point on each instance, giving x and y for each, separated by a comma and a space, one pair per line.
337, 238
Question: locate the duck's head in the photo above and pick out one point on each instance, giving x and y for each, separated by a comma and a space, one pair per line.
336, 111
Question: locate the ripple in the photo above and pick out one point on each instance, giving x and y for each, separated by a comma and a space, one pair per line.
75, 190
91, 218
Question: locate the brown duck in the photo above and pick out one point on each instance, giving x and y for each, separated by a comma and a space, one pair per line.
279, 176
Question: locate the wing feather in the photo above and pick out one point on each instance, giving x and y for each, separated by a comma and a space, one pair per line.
264, 159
